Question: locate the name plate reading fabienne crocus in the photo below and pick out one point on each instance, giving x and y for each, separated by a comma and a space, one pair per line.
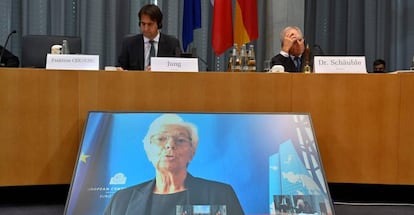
72, 62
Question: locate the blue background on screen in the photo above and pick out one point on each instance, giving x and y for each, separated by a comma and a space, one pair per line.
233, 148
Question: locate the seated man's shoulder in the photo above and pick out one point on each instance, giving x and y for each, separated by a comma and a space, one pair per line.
279, 56
169, 37
131, 37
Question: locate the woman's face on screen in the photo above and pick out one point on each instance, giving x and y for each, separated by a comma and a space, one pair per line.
170, 148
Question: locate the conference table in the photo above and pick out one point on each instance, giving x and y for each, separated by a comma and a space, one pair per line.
363, 122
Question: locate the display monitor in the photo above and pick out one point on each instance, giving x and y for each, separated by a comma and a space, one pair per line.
269, 161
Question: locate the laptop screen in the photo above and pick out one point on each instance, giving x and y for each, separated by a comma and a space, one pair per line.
269, 161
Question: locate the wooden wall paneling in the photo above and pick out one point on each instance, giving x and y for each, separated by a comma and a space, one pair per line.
356, 120
405, 144
363, 122
39, 126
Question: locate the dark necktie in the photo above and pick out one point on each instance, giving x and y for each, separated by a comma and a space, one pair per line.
152, 51
298, 64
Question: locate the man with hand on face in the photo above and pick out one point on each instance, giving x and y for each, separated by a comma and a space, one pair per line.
137, 50
293, 46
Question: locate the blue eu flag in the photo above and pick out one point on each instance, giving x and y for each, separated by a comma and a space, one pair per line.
191, 20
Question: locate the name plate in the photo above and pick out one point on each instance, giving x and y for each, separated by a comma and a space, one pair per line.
174, 64
339, 64
72, 61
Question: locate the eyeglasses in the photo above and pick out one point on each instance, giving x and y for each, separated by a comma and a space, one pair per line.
162, 139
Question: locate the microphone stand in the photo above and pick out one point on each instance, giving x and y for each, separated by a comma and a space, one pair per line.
307, 68
193, 53
320, 49
4, 48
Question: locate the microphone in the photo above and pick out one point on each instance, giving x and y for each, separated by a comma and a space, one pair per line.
177, 52
193, 54
412, 65
4, 47
319, 48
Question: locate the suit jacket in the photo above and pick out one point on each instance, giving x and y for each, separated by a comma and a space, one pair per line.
287, 62
136, 200
132, 53
8, 59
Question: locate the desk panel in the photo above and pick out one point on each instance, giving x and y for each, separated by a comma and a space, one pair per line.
406, 128
363, 122
194, 92
356, 120
39, 126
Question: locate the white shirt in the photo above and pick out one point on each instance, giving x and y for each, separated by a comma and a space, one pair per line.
147, 48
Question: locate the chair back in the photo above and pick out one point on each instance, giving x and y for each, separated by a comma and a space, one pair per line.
36, 47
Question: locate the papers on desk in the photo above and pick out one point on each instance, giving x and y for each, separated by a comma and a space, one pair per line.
401, 71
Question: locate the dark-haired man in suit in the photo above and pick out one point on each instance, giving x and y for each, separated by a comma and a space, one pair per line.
379, 66
137, 50
8, 59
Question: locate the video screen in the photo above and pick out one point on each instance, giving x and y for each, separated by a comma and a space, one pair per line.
198, 163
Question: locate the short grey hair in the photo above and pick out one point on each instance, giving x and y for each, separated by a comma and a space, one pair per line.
171, 119
283, 32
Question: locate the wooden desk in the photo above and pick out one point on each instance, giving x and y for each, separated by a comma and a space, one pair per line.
363, 122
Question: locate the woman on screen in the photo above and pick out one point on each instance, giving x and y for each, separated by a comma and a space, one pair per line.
170, 145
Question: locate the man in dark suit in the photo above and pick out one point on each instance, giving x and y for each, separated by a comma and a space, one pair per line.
293, 46
379, 66
8, 59
137, 50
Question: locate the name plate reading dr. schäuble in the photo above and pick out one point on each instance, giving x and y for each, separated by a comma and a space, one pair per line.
339, 64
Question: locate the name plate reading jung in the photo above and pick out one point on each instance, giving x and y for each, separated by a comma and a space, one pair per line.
339, 64
174, 64
72, 62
